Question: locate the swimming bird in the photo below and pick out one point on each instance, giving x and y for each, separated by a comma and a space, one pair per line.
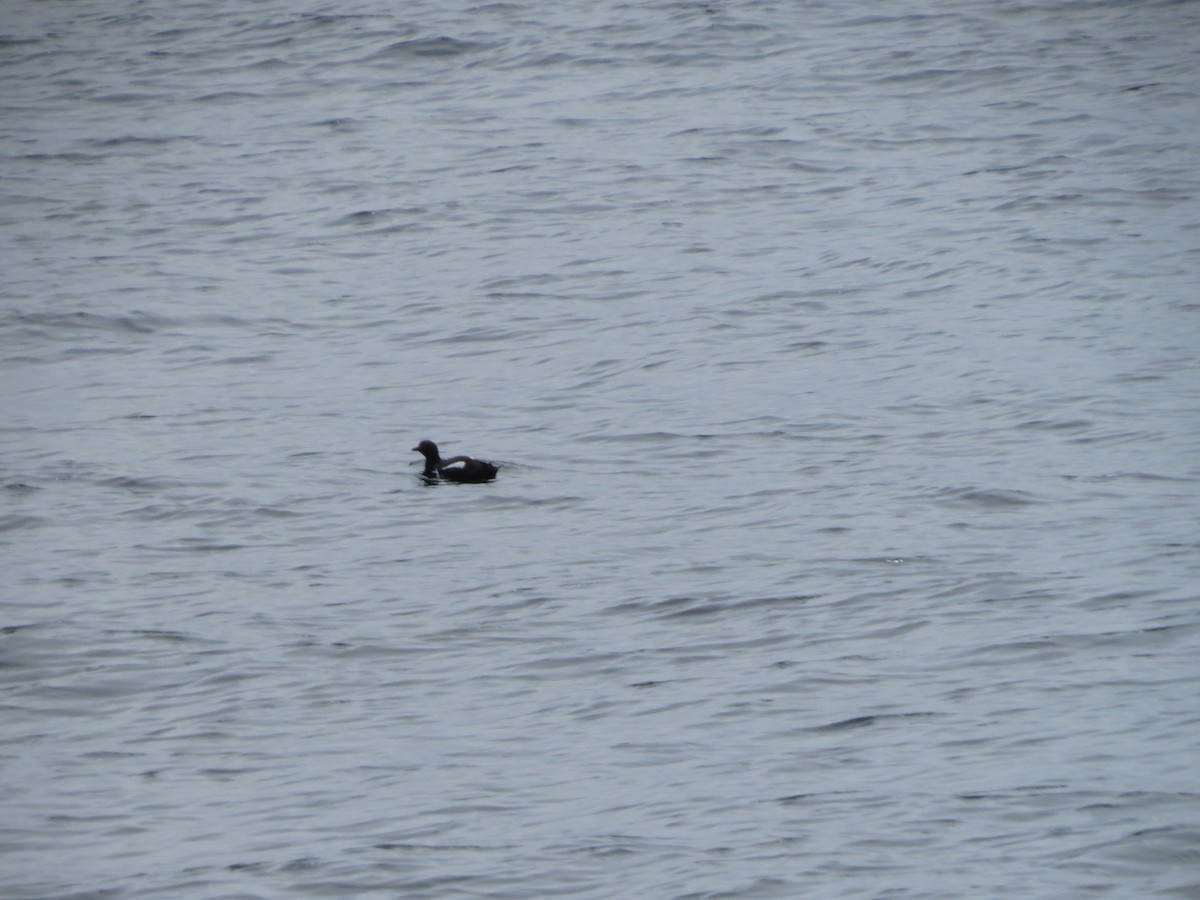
462, 469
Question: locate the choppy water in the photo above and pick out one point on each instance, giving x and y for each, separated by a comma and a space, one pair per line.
842, 359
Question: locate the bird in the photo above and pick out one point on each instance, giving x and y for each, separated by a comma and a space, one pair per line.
462, 469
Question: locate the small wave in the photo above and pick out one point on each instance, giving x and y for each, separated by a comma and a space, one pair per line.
439, 47
866, 721
17, 523
989, 498
64, 324
135, 483
689, 607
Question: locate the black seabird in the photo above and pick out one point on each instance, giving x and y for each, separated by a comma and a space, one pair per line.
462, 469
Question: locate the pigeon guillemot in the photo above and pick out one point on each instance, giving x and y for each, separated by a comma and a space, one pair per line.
462, 469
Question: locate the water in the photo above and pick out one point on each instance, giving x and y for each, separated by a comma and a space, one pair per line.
841, 360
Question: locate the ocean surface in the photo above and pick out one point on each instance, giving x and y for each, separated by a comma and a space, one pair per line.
843, 364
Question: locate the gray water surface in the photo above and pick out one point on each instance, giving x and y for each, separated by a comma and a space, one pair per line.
842, 363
